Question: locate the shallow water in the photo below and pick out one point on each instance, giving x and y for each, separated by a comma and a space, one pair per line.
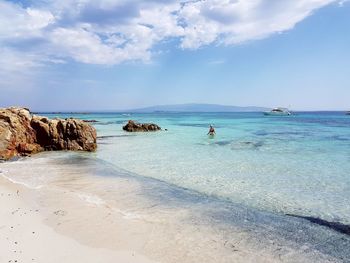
290, 165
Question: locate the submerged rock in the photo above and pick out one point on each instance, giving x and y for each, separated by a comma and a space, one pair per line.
22, 133
133, 126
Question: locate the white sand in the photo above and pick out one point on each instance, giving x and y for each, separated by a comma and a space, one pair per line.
24, 237
53, 225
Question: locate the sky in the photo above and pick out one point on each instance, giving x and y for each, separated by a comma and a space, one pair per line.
73, 55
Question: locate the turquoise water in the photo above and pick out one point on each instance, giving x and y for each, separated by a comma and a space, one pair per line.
288, 165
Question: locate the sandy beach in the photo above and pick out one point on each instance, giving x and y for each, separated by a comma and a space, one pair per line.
67, 227
79, 216
24, 237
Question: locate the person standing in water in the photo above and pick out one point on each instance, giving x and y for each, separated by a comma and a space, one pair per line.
211, 131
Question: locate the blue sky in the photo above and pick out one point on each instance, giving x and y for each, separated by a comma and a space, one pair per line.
120, 54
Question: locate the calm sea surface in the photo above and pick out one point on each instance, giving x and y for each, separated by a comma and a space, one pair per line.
296, 164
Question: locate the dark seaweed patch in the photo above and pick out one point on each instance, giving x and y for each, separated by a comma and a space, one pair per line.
261, 133
336, 226
258, 144
253, 144
247, 145
339, 138
223, 143
202, 144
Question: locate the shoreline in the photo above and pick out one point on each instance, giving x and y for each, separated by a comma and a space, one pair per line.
164, 223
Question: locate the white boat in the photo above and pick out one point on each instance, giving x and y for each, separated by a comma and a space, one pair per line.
278, 112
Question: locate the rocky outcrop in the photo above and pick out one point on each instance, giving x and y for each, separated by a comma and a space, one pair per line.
133, 126
22, 133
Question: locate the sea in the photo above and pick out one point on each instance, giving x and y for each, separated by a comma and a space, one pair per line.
278, 174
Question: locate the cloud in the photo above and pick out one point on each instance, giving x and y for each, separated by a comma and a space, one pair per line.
233, 22
17, 23
17, 69
115, 31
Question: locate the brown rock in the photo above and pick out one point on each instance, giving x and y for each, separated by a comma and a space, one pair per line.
42, 128
16, 133
133, 126
23, 134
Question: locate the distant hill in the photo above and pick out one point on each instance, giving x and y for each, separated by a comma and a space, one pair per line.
192, 107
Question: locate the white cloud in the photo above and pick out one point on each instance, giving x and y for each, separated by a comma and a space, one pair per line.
17, 22
231, 22
14, 60
17, 69
81, 45
114, 31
